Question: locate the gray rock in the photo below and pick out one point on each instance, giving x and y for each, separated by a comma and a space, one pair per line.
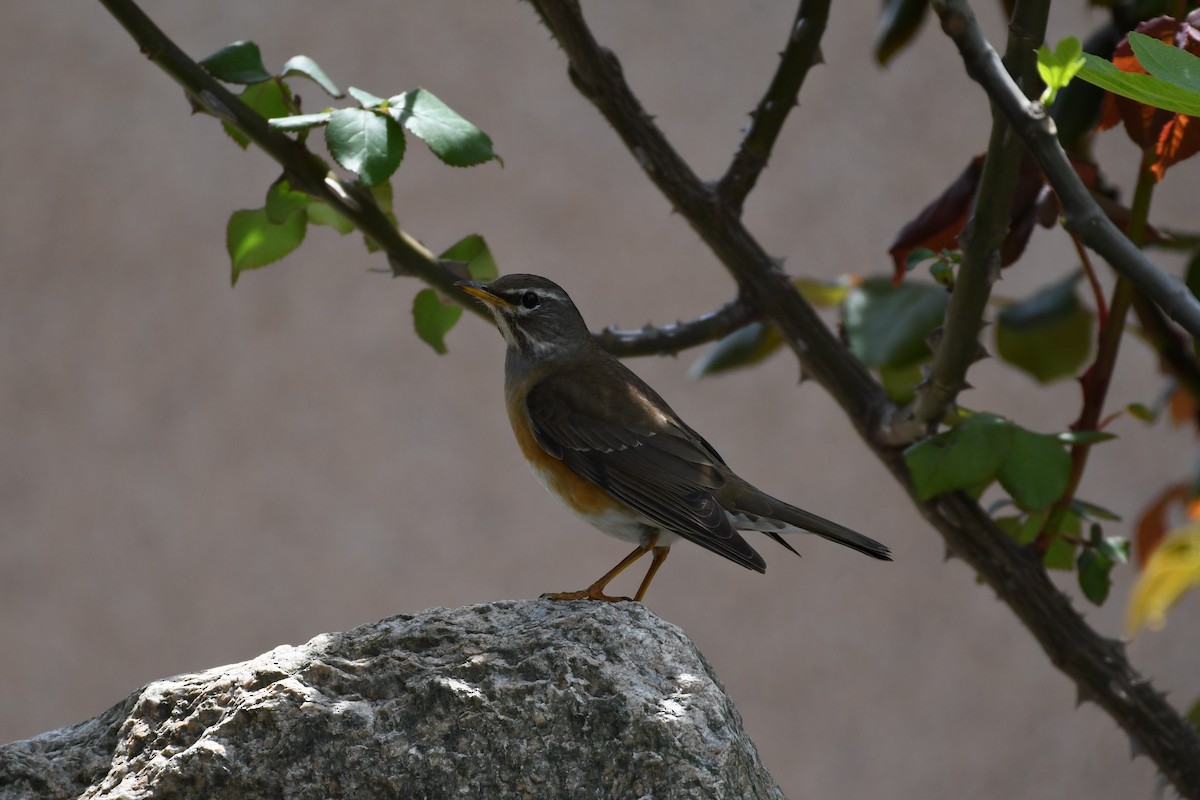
528, 699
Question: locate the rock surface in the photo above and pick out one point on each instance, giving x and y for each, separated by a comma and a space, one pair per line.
525, 699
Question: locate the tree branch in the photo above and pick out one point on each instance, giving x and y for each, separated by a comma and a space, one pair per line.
802, 51
1097, 665
984, 234
305, 170
1080, 211
671, 339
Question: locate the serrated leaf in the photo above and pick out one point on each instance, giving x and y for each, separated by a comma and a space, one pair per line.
321, 213
1057, 68
1142, 88
433, 318
1047, 335
1092, 511
240, 62
453, 139
887, 325
967, 455
253, 241
1095, 575
1060, 555
747, 345
473, 251
365, 98
306, 67
1165, 62
284, 201
1036, 471
1022, 528
366, 143
300, 122
268, 99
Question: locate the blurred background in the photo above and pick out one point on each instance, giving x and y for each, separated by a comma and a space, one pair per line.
192, 474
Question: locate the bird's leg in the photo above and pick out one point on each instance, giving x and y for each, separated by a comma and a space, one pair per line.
596, 590
660, 555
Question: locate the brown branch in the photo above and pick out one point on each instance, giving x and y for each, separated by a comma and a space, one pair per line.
802, 51
1097, 665
306, 171
958, 347
671, 339
1082, 215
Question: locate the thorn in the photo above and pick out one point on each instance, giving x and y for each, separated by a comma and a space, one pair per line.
948, 555
1083, 695
934, 339
981, 353
1135, 748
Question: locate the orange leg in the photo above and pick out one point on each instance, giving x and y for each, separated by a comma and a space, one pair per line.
596, 590
660, 555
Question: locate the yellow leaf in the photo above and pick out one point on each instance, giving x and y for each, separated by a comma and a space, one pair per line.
1173, 568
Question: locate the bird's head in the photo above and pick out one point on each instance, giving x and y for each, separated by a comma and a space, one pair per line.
534, 314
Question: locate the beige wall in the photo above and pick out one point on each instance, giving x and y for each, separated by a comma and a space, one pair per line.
190, 474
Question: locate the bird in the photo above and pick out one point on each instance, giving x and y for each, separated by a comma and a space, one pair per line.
611, 450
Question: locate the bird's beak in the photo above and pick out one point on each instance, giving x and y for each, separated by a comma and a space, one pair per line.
481, 292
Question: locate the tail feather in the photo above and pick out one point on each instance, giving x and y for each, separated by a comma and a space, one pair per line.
763, 513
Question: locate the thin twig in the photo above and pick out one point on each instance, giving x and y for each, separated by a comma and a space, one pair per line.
802, 51
1081, 213
984, 234
306, 171
1097, 665
671, 339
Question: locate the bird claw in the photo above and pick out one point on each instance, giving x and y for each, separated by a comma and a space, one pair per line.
590, 593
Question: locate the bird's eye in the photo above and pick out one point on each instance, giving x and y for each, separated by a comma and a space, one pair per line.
530, 300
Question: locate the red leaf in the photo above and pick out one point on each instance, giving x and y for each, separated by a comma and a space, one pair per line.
939, 223
1168, 135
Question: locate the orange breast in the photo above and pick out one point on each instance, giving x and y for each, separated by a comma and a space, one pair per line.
579, 494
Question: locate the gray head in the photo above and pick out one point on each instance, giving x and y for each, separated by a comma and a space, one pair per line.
534, 314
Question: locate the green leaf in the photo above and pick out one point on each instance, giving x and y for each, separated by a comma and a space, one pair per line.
1193, 715
434, 319
747, 345
364, 142
887, 325
473, 251
823, 294
300, 122
1022, 528
365, 98
1092, 511
898, 23
920, 254
240, 62
1095, 575
1167, 62
254, 241
451, 138
1142, 411
271, 98
1036, 471
307, 68
283, 201
1085, 437
321, 213
964, 456
1136, 86
900, 382
1048, 335
1057, 68
1059, 555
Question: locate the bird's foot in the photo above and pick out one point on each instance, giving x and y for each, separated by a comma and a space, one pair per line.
591, 593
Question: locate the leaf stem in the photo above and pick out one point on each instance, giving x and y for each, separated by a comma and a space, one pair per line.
1096, 380
305, 170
